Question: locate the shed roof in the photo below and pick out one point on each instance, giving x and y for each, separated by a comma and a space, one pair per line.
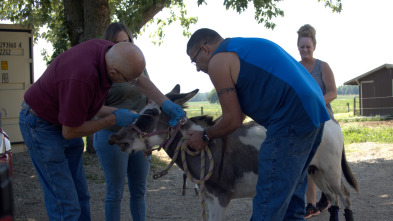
355, 81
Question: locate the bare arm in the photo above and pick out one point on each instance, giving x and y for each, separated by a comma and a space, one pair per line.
330, 84
220, 71
88, 127
150, 90
106, 118
105, 111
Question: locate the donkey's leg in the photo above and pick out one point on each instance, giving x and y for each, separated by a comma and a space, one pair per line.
345, 199
196, 189
333, 213
320, 180
348, 215
336, 188
183, 192
215, 210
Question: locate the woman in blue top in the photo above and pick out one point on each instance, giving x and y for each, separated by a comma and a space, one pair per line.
257, 77
115, 163
323, 75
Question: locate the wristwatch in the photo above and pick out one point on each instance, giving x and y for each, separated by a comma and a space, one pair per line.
205, 137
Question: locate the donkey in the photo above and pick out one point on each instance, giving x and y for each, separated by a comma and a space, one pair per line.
233, 177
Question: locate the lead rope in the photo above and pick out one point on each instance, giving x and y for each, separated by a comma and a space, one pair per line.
182, 145
202, 176
164, 172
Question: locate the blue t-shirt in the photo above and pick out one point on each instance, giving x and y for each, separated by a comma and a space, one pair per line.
274, 89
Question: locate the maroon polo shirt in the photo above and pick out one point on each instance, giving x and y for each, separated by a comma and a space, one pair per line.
74, 86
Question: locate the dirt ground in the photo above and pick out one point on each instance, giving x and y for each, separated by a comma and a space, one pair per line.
371, 163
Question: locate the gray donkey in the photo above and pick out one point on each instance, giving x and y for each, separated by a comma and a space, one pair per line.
235, 170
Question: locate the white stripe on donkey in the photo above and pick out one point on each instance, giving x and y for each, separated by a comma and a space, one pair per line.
235, 157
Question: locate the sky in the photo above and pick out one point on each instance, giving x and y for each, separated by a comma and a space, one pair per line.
353, 42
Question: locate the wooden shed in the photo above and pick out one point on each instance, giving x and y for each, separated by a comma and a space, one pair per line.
375, 91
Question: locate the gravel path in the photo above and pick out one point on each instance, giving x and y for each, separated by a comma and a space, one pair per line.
372, 165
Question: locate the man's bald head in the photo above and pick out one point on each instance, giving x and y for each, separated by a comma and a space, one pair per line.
127, 58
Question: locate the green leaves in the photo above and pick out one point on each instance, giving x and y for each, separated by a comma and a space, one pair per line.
64, 28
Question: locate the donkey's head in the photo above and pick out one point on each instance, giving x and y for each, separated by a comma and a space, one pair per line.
152, 119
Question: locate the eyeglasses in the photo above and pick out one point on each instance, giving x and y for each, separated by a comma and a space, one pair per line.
193, 60
131, 83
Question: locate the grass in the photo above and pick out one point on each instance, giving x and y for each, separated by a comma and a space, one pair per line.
358, 134
344, 104
203, 108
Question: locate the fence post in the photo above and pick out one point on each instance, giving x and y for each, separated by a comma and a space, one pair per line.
201, 110
348, 107
354, 106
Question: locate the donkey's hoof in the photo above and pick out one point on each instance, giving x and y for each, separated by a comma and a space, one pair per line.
348, 215
333, 210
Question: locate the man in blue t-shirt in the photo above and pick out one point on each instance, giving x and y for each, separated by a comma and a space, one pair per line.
256, 77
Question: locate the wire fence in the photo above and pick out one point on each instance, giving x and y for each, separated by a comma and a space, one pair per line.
346, 108
371, 108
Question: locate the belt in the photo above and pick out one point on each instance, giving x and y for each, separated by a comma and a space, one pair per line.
29, 109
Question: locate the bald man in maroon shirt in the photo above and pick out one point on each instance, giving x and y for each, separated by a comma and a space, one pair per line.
58, 111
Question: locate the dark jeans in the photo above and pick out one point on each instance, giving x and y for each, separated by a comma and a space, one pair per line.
282, 175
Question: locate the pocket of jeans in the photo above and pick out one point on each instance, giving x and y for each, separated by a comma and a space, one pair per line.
298, 145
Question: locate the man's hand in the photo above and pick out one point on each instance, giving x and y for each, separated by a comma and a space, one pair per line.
195, 141
124, 117
174, 111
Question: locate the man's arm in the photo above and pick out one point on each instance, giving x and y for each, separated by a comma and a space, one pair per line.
147, 87
106, 118
105, 111
151, 91
223, 72
88, 127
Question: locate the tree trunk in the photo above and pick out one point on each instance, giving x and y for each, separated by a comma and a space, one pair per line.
86, 19
73, 13
96, 17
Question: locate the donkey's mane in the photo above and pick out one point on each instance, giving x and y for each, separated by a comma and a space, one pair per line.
204, 120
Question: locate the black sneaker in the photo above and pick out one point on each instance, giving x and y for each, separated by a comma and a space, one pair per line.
323, 203
311, 210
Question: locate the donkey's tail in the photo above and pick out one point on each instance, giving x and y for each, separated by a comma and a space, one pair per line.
351, 179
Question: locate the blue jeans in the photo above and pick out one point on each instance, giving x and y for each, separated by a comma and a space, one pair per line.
116, 165
59, 166
282, 175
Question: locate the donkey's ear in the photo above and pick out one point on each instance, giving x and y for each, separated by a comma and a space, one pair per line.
180, 99
176, 89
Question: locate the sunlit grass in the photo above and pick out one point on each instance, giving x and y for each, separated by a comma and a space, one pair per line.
354, 133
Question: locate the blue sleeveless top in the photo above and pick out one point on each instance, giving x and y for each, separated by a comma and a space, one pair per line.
274, 89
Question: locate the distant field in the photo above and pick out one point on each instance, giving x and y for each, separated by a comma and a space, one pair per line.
342, 105
203, 108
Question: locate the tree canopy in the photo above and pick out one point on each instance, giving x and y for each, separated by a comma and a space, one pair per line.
70, 22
